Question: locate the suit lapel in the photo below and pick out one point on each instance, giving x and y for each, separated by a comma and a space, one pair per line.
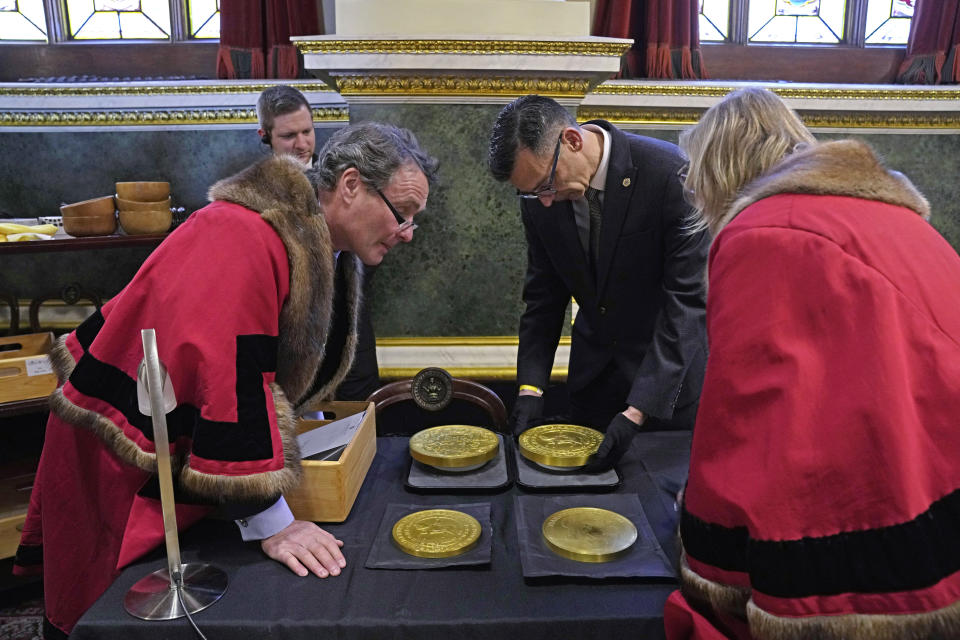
621, 179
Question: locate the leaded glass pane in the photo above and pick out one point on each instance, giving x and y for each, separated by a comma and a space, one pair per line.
806, 21
714, 20
888, 21
115, 20
116, 5
22, 20
204, 18
798, 7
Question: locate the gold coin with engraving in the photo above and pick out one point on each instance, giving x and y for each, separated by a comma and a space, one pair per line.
588, 534
454, 447
560, 446
436, 533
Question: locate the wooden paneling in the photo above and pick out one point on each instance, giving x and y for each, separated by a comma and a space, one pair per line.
793, 63
123, 61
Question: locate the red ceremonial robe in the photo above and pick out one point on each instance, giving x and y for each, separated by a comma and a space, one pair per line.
240, 298
823, 499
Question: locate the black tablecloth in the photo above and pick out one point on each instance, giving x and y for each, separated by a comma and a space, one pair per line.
492, 601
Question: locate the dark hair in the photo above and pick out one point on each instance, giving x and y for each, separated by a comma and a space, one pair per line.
278, 100
531, 122
376, 150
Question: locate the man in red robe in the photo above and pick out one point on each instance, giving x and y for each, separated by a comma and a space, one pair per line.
240, 296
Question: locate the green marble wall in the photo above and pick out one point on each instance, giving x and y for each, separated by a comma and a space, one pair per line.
463, 272
461, 276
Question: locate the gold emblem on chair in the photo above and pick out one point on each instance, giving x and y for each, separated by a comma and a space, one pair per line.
432, 389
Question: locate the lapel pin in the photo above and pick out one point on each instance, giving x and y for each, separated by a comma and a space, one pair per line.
626, 182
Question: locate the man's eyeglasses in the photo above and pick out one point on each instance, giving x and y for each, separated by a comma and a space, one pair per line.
547, 189
403, 222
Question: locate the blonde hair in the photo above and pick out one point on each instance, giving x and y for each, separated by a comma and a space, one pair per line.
737, 140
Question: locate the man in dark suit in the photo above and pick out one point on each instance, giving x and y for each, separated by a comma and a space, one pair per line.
606, 223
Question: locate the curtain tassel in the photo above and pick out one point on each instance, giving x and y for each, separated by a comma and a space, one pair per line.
284, 61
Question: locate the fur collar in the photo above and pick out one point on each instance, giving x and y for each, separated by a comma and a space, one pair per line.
278, 190
841, 168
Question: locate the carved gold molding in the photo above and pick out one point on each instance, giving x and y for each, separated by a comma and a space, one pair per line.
486, 47
460, 85
25, 90
813, 119
558, 374
457, 341
711, 91
150, 117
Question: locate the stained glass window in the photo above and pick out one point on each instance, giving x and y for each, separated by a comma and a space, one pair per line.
204, 18
714, 20
118, 19
801, 21
22, 20
888, 21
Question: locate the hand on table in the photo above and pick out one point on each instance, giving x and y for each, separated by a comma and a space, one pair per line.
528, 407
616, 441
304, 546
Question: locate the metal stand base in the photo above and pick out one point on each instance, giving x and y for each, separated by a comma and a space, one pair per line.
154, 598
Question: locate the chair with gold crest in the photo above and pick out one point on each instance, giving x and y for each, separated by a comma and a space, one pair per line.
434, 397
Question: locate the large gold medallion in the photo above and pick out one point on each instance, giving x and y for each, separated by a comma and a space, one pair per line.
454, 447
560, 446
588, 534
436, 533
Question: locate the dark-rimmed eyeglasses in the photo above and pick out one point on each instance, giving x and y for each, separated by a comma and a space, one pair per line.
403, 222
548, 189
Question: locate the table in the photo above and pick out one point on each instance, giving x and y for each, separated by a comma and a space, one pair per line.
494, 601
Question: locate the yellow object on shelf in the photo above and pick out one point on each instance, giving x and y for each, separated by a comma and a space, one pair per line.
12, 232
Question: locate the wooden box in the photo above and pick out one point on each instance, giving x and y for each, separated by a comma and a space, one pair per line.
16, 481
25, 370
329, 488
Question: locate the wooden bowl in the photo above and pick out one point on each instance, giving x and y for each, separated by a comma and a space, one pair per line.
143, 191
96, 208
137, 223
135, 205
82, 226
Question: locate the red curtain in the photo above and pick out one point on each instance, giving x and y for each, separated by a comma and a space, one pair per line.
932, 49
255, 37
666, 36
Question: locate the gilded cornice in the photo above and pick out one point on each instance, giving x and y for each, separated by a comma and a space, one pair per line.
68, 90
460, 85
138, 117
813, 119
558, 374
457, 341
822, 93
471, 47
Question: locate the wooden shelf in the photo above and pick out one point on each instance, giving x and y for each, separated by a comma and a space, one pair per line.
81, 244
22, 407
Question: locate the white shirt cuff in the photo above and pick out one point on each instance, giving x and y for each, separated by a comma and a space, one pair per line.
271, 520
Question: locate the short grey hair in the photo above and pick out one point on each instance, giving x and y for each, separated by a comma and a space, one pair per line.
375, 150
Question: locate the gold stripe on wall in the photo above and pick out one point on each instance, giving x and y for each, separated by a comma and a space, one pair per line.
126, 117
822, 93
813, 119
127, 89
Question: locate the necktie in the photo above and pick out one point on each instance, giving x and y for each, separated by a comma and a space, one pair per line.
593, 201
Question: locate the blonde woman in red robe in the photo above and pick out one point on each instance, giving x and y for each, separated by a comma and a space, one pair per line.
822, 500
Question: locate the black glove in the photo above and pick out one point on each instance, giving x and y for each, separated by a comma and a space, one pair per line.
527, 408
620, 433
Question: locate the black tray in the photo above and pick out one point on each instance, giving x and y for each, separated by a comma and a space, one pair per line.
532, 477
493, 477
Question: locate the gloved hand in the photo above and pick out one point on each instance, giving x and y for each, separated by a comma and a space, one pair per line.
527, 408
620, 433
